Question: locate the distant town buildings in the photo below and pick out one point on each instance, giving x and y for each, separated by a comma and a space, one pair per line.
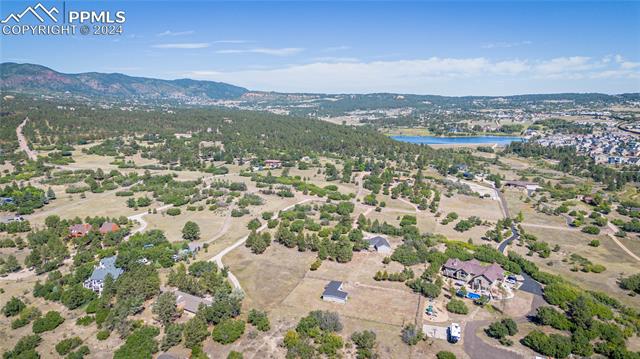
609, 146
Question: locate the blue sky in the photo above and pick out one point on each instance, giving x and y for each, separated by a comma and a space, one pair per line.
429, 47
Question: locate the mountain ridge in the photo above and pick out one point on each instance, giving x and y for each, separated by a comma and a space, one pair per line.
39, 79
34, 78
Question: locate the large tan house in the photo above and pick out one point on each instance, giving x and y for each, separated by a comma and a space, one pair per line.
475, 275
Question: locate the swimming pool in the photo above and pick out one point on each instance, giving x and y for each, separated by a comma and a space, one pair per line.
473, 296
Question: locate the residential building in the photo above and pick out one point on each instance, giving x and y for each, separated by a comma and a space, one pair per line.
106, 267
333, 293
473, 274
272, 164
379, 244
79, 230
108, 227
528, 187
190, 303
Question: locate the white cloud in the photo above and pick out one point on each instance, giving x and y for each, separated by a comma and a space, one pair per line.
498, 45
176, 33
336, 48
564, 65
285, 51
183, 45
335, 59
435, 75
231, 41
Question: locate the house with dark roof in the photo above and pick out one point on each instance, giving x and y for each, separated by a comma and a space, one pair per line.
108, 227
79, 230
190, 303
477, 276
333, 293
106, 267
379, 244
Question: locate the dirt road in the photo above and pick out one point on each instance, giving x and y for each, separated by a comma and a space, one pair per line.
218, 258
33, 155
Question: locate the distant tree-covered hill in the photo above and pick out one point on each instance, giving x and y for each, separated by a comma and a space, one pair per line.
30, 78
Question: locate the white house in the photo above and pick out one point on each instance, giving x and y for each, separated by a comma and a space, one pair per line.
106, 267
379, 244
333, 293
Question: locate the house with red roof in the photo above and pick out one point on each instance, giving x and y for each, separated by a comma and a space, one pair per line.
79, 230
108, 227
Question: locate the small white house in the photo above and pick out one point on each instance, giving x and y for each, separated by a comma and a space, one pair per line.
379, 244
333, 293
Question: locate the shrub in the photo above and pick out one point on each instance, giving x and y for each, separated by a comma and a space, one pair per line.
139, 344
501, 329
259, 319
591, 230
631, 283
13, 307
316, 264
103, 335
411, 335
594, 243
80, 353
85, 321
457, 306
65, 346
551, 317
50, 321
554, 345
330, 343
228, 331
254, 224
445, 355
234, 355
327, 321
365, 342
173, 211
24, 348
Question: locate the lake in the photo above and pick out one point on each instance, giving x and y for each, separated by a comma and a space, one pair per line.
435, 140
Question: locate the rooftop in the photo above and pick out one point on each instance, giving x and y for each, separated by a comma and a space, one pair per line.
492, 272
378, 241
107, 266
334, 289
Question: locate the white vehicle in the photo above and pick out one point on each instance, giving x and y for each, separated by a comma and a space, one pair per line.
454, 333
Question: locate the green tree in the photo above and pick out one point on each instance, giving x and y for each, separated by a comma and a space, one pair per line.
228, 331
194, 332
191, 231
165, 308
13, 307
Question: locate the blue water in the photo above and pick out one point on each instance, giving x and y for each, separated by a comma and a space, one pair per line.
473, 296
434, 140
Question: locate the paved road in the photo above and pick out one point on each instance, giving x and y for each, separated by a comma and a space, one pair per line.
139, 218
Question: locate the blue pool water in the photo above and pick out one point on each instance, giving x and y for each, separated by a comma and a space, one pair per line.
473, 296
435, 140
